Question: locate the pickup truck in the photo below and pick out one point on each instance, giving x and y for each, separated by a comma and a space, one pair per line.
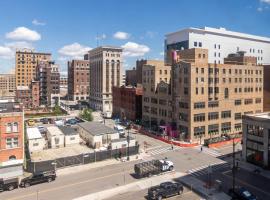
8, 184
152, 167
38, 178
164, 190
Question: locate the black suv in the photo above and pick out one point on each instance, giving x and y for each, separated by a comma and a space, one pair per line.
38, 178
164, 190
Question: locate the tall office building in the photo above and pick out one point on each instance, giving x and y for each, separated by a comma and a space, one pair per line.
26, 65
209, 99
48, 76
156, 100
105, 72
219, 42
78, 80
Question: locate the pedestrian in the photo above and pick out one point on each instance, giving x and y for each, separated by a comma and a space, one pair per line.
172, 147
201, 148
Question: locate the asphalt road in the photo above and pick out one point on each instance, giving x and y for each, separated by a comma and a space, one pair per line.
142, 195
82, 183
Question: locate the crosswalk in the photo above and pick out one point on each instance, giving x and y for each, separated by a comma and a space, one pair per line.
161, 149
208, 151
206, 169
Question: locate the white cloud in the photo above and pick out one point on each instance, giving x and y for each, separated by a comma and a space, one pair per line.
19, 45
23, 33
38, 23
121, 35
265, 1
75, 51
6, 52
132, 49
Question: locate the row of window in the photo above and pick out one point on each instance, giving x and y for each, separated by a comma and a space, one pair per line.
213, 129
224, 71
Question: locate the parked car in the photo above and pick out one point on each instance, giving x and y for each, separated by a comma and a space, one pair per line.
242, 193
38, 178
8, 184
44, 120
119, 129
164, 190
71, 122
59, 122
152, 167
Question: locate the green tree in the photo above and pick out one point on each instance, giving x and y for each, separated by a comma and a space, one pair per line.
86, 114
57, 110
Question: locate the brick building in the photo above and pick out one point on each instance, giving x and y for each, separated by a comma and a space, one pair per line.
131, 77
127, 102
78, 80
11, 140
266, 88
26, 62
209, 99
49, 83
7, 85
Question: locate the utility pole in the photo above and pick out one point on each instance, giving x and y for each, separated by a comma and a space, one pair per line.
233, 168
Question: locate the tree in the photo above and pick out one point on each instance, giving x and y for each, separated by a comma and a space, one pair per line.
86, 114
57, 110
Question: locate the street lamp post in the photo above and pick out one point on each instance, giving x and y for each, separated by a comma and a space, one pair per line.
128, 140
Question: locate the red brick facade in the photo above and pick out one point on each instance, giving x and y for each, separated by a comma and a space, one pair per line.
14, 120
127, 103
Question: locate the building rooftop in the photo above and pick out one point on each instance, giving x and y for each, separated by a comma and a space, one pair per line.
96, 128
265, 115
9, 107
54, 131
223, 32
22, 88
67, 130
33, 133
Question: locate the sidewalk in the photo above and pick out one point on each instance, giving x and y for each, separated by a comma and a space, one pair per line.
199, 187
136, 186
250, 167
81, 168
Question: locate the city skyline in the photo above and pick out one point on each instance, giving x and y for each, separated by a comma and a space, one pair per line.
68, 31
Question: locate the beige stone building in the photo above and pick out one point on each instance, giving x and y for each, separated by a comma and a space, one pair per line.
26, 65
156, 102
105, 72
210, 99
7, 85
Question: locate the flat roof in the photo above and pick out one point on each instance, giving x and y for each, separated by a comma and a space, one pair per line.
67, 130
224, 32
96, 128
264, 115
54, 131
9, 107
33, 133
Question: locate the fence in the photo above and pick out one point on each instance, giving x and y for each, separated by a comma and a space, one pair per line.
80, 159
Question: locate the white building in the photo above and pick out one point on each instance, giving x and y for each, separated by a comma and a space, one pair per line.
105, 72
55, 137
35, 140
96, 134
219, 42
71, 135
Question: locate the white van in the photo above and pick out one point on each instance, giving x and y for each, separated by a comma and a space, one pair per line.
119, 129
107, 114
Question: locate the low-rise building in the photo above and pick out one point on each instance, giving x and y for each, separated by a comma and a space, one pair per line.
36, 142
56, 137
96, 134
256, 145
71, 135
127, 102
7, 85
11, 140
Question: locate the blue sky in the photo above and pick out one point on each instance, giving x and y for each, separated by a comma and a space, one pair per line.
68, 28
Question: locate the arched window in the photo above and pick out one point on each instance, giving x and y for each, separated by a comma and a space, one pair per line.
12, 157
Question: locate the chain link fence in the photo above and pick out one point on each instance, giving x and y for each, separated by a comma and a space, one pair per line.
48, 165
